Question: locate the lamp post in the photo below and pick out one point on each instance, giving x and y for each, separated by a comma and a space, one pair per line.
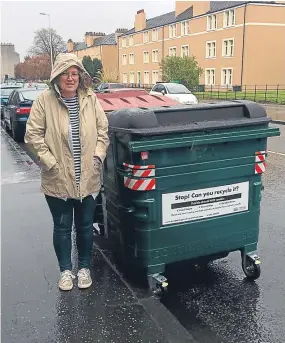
50, 41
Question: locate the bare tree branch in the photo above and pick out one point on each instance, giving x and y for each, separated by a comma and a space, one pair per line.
41, 44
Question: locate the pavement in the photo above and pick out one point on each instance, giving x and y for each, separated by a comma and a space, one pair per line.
209, 305
33, 308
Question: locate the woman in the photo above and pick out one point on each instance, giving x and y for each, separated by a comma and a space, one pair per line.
68, 131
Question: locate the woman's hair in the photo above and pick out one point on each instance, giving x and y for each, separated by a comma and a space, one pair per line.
85, 80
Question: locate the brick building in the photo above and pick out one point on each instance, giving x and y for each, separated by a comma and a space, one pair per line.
235, 42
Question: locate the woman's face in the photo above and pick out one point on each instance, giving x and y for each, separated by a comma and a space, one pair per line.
69, 80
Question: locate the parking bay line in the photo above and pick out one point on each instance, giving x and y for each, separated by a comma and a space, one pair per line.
277, 153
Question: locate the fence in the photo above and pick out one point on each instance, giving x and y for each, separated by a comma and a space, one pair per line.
257, 93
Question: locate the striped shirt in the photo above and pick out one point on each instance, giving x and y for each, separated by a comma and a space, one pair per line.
73, 108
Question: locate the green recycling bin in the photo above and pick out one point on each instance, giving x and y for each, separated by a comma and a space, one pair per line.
184, 183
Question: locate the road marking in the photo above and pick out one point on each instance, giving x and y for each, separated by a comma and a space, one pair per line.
277, 153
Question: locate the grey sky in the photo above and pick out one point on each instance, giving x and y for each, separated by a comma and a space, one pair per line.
71, 19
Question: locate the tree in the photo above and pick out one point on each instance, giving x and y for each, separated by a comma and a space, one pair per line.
108, 75
93, 67
41, 44
34, 68
182, 69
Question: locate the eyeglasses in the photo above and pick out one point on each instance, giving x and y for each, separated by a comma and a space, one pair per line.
72, 75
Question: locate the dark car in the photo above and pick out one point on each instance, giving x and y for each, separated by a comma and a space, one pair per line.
6, 90
105, 87
17, 110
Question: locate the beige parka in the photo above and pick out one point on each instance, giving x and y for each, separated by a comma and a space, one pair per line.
48, 134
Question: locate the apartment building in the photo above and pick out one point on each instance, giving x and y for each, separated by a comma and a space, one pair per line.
9, 59
235, 42
101, 46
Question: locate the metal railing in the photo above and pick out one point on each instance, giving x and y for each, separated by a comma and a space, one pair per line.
258, 93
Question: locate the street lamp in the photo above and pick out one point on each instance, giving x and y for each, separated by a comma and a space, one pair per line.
50, 41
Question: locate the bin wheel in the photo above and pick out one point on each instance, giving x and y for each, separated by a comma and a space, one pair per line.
160, 291
251, 269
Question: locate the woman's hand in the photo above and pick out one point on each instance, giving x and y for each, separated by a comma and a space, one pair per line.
97, 161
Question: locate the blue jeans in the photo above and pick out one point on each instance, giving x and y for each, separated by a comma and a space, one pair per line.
62, 214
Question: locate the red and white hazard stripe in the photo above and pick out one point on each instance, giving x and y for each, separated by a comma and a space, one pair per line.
260, 167
141, 171
139, 185
146, 173
260, 164
131, 166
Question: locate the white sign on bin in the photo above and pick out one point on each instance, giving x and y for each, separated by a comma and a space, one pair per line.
204, 203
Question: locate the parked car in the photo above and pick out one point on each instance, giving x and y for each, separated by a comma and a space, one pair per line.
105, 87
174, 91
17, 110
6, 90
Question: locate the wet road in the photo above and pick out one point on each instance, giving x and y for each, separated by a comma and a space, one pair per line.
216, 304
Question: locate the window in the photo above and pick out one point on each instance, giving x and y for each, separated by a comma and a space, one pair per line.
131, 40
227, 77
146, 78
154, 77
172, 30
229, 18
125, 78
211, 22
139, 77
124, 60
131, 58
211, 49
228, 47
155, 35
172, 51
154, 55
184, 28
210, 77
145, 57
124, 42
184, 50
132, 77
145, 37
159, 88
175, 88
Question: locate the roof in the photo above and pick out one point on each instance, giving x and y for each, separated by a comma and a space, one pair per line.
104, 40
79, 46
169, 18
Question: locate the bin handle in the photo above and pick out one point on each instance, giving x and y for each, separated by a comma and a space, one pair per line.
149, 205
124, 172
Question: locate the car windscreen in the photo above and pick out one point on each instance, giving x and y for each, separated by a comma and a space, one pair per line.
5, 92
116, 85
30, 95
177, 89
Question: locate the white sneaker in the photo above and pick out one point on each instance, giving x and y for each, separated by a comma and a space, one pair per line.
84, 278
66, 280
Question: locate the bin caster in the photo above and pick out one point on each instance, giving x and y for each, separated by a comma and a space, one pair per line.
158, 285
251, 266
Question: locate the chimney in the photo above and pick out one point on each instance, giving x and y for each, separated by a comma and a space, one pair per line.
140, 20
70, 45
199, 7
91, 36
120, 32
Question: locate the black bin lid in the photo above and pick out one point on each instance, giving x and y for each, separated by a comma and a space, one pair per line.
187, 118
